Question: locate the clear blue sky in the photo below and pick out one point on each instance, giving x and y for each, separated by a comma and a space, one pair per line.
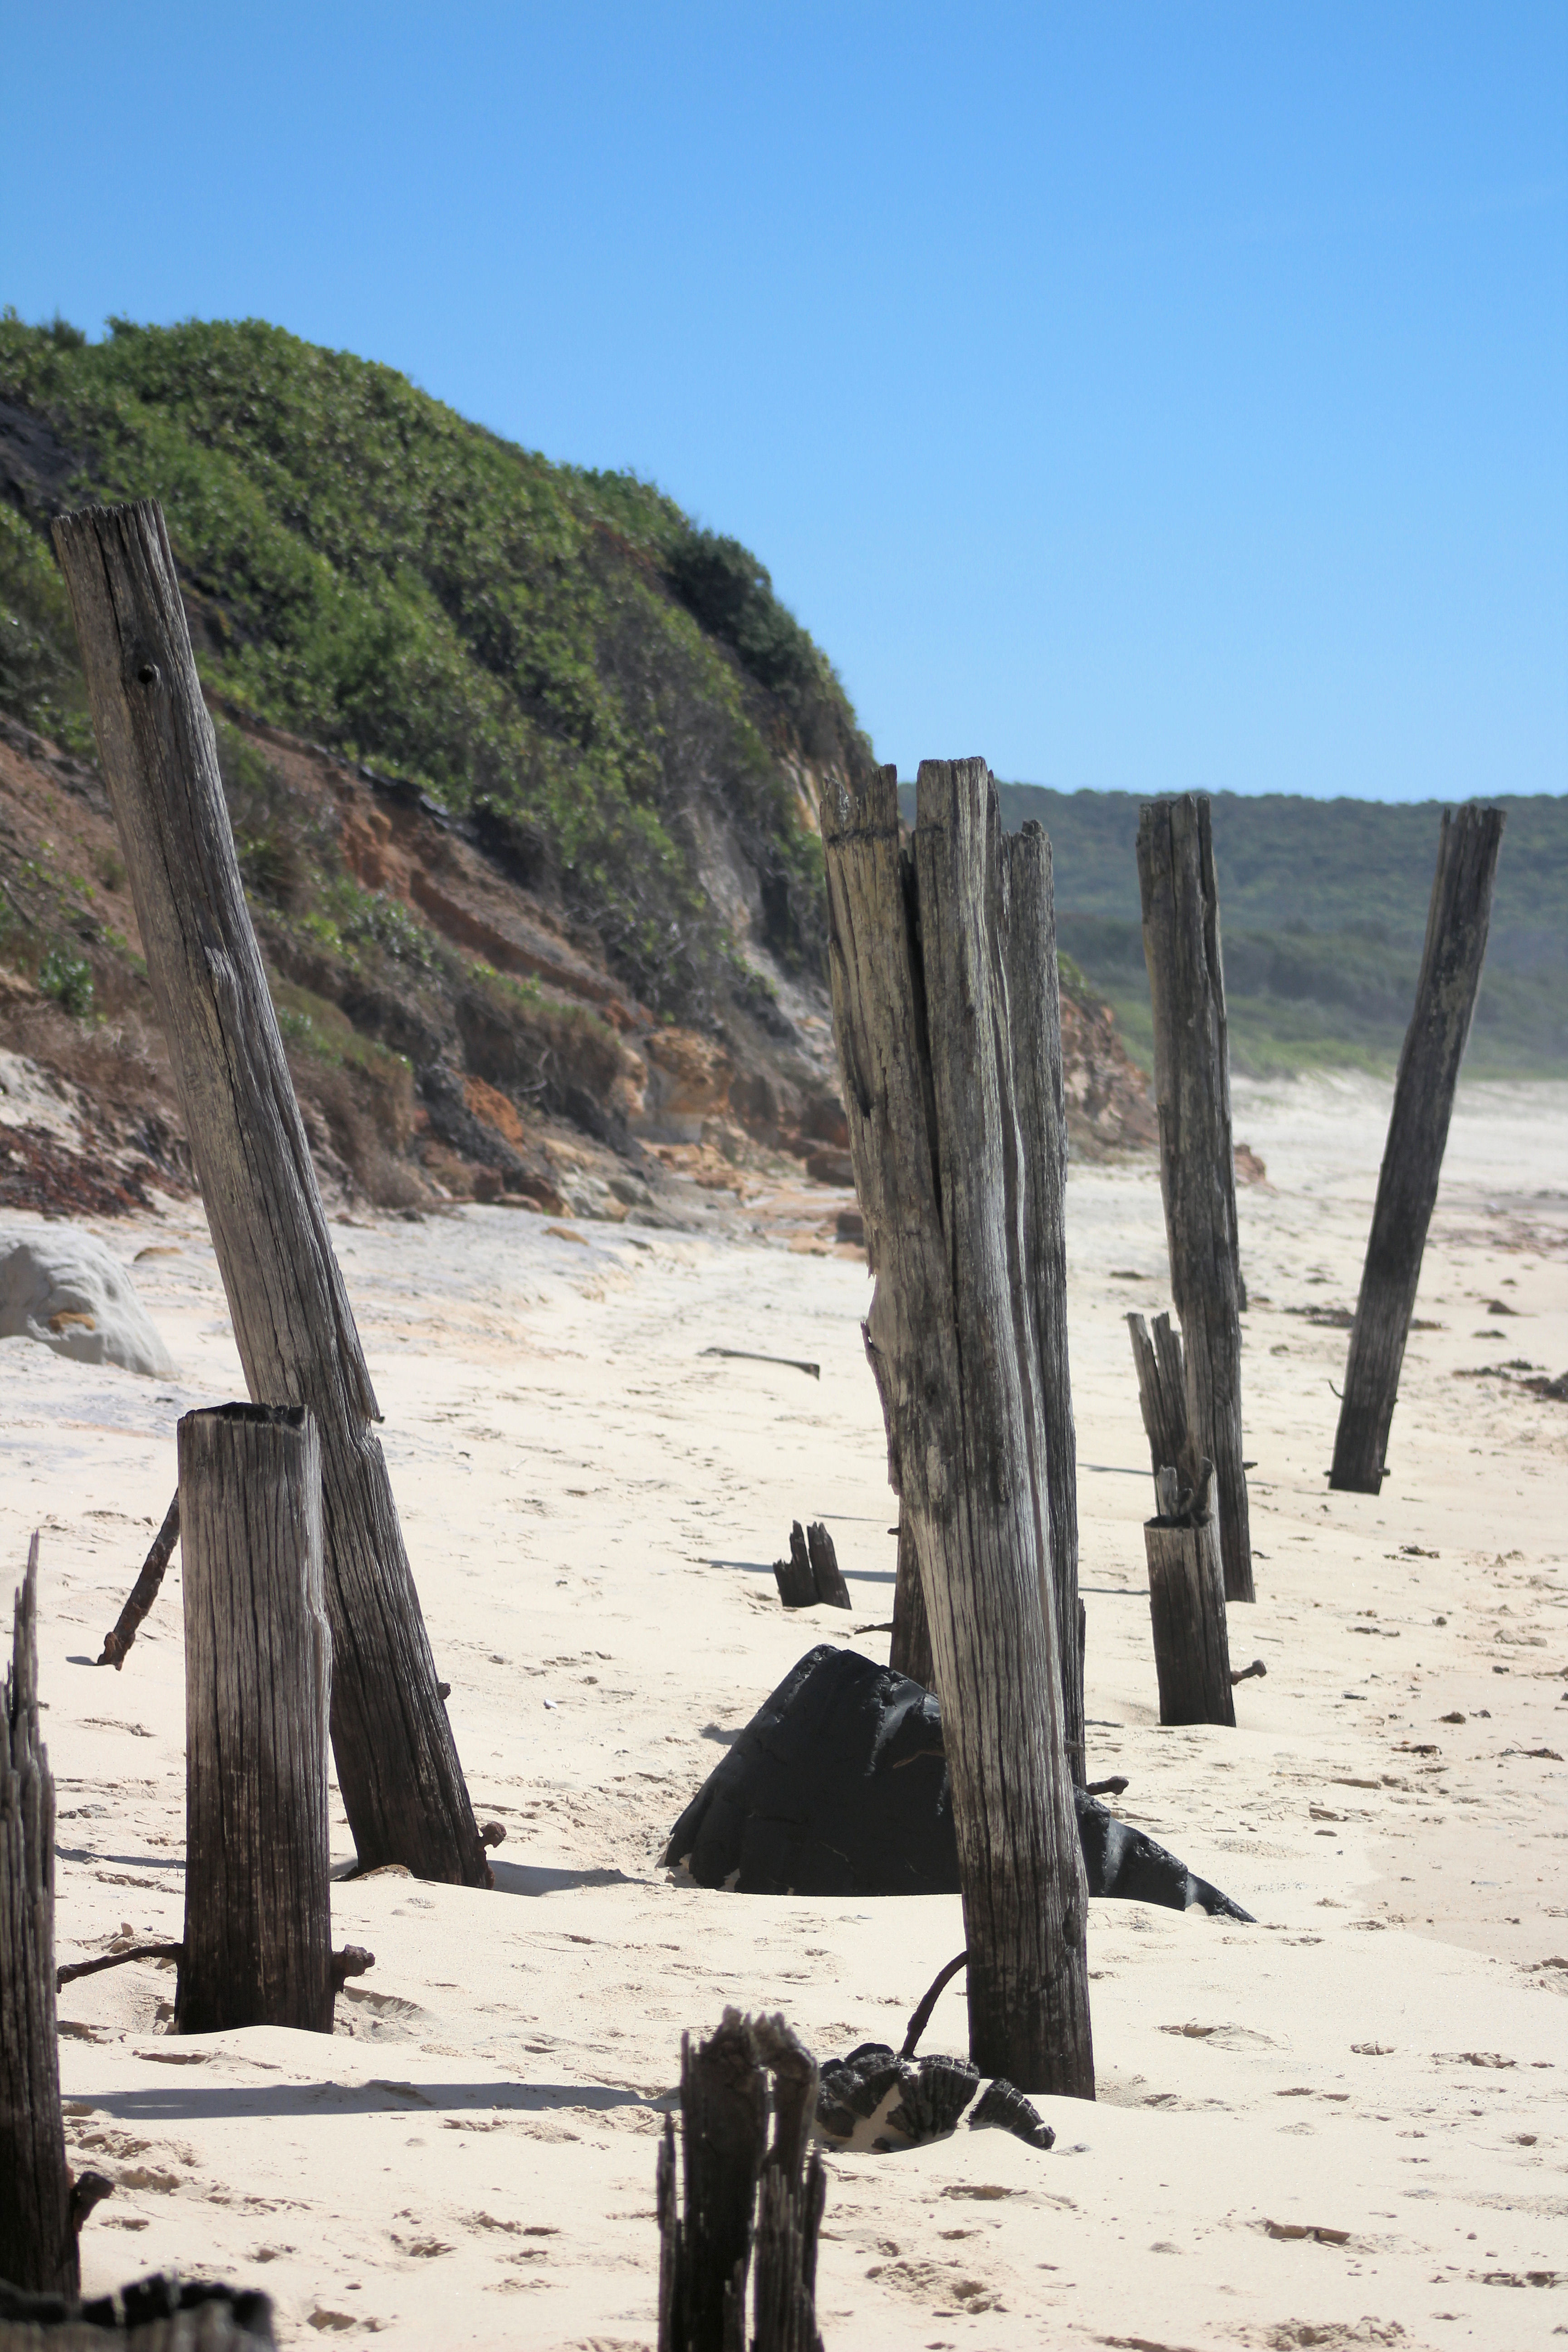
1147, 397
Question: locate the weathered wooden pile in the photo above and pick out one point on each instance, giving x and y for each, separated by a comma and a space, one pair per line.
1189, 1382
302, 1620
958, 1167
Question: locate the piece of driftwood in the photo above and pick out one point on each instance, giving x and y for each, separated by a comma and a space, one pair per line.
161, 2313
749, 1356
72, 1969
144, 1591
353, 1960
910, 1650
258, 1942
1162, 1393
839, 1786
37, 2238
739, 2194
1197, 1158
397, 1763
1457, 919
923, 1033
1246, 1674
826, 1574
925, 2006
1034, 1001
1186, 1603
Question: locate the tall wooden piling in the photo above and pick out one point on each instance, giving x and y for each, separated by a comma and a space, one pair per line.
922, 1027
37, 2235
1197, 1161
1034, 998
1457, 919
257, 1947
397, 1763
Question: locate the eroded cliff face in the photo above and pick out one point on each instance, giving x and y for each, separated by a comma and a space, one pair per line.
1110, 1106
453, 1033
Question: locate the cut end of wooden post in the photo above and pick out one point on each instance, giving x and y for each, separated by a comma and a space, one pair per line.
352, 1960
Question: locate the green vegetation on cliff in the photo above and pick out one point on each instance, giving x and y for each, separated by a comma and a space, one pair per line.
559, 651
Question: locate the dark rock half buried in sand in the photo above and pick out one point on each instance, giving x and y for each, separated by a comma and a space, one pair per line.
875, 2099
838, 1786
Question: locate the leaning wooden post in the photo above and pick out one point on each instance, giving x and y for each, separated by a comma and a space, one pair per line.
259, 1660
1197, 1160
1033, 997
1457, 920
1186, 1603
921, 1020
37, 2236
397, 1763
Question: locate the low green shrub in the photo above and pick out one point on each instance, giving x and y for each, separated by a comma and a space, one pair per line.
68, 978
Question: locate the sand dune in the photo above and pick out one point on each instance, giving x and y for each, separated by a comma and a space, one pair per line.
1344, 2126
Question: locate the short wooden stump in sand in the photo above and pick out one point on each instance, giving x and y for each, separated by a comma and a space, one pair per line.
1186, 1603
257, 1946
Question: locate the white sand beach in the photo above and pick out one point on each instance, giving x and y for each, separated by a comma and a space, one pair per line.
592, 1504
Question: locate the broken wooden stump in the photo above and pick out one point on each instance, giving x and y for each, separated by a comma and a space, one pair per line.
796, 1584
1457, 919
161, 2313
258, 1942
739, 2196
923, 1030
397, 1763
826, 1574
1186, 1603
37, 2225
1197, 1160
1162, 1394
811, 1574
